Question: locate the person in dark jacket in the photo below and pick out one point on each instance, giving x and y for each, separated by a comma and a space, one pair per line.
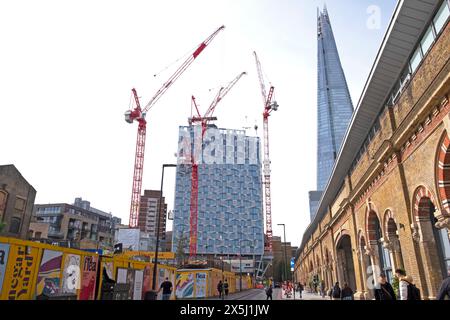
346, 293
384, 291
445, 287
300, 289
269, 293
220, 288
336, 293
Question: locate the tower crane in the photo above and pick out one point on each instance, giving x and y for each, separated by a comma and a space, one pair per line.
138, 114
203, 120
269, 106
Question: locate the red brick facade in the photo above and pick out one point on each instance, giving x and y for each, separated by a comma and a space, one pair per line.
394, 209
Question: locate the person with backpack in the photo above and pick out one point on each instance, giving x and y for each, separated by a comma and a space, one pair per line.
336, 293
384, 290
407, 288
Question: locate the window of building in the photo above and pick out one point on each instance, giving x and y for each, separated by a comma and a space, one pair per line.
427, 40
441, 17
416, 59
15, 225
20, 204
38, 235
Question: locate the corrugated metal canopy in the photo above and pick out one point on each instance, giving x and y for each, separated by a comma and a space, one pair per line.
405, 29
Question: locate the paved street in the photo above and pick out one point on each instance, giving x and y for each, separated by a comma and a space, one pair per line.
278, 294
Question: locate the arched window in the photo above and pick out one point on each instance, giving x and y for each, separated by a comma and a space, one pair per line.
376, 236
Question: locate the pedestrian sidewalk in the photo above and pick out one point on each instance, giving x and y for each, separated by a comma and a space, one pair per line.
305, 296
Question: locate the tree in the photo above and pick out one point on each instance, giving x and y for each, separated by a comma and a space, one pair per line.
181, 250
2, 226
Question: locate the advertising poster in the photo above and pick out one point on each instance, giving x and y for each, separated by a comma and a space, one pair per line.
4, 251
88, 278
200, 285
130, 281
185, 285
147, 281
121, 275
48, 280
71, 277
138, 279
18, 281
109, 267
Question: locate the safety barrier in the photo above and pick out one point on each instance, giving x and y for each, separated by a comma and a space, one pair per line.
31, 270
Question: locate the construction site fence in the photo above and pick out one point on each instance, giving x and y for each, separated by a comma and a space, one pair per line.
31, 270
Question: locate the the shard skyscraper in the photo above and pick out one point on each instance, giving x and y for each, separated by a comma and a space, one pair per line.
334, 106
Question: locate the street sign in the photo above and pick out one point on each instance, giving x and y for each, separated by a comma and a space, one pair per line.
292, 264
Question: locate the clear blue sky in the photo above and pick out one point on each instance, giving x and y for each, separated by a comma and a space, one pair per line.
67, 69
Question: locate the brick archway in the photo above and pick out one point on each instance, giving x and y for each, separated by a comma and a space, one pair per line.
423, 200
443, 172
373, 225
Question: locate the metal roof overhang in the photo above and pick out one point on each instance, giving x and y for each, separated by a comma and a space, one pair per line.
405, 29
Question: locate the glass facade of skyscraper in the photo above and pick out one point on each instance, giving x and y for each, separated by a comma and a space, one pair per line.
334, 104
230, 214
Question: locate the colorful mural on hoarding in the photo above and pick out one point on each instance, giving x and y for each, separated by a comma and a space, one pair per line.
4, 251
48, 280
71, 277
89, 277
18, 282
200, 285
185, 285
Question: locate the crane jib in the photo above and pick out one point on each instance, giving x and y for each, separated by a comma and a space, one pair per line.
199, 50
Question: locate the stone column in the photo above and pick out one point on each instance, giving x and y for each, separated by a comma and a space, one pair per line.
427, 244
363, 293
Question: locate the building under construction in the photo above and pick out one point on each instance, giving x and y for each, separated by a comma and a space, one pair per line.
230, 202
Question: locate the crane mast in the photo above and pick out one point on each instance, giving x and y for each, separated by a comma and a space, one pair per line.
138, 114
203, 120
269, 106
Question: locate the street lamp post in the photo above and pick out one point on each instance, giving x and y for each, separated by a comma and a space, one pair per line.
285, 255
158, 226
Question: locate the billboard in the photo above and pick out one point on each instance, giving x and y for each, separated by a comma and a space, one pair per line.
71, 274
4, 251
129, 239
247, 265
48, 281
89, 277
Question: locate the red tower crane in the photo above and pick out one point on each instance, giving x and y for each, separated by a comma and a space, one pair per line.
208, 116
269, 106
138, 114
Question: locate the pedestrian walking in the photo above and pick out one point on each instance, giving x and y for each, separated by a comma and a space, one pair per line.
444, 290
300, 289
384, 290
347, 293
336, 293
406, 287
269, 293
220, 288
225, 287
322, 289
166, 287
